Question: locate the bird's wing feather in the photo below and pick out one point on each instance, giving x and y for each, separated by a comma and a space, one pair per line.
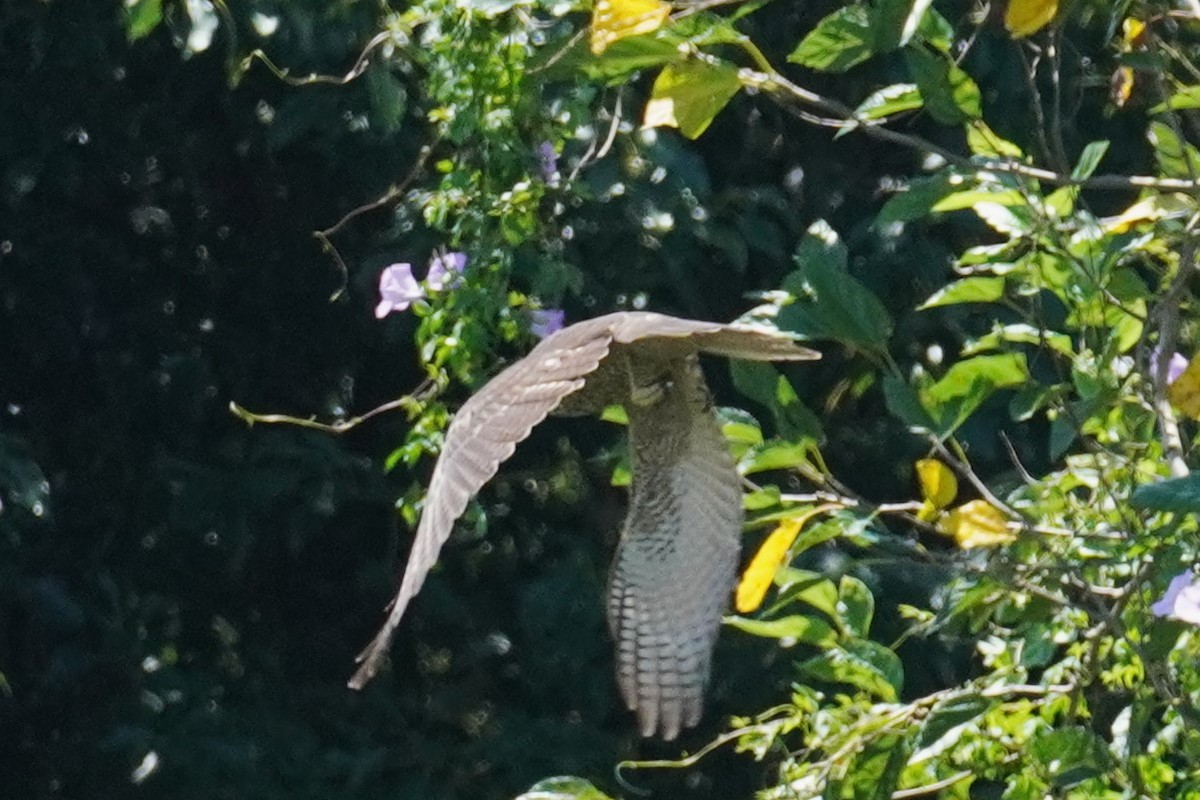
484, 433
673, 572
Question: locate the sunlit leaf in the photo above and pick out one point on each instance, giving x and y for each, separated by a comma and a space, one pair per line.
760, 573
1187, 97
976, 289
938, 484
967, 384
949, 714
1089, 159
688, 95
856, 604
890, 100
973, 197
613, 20
950, 95
976, 524
1176, 159
1020, 333
1070, 755
1026, 17
860, 663
1149, 209
800, 628
983, 141
839, 41
141, 18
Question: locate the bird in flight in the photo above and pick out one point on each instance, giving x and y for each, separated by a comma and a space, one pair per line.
678, 553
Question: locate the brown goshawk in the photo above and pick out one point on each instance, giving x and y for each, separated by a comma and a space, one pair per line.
678, 554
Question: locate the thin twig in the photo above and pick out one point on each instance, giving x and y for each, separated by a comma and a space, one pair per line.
963, 468
393, 194
284, 74
776, 83
422, 392
932, 788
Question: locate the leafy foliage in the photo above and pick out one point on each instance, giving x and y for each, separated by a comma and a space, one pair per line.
962, 516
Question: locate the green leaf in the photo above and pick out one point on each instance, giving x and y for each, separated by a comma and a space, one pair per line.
801, 585
967, 384
773, 456
950, 95
905, 404
887, 101
1176, 159
1181, 495
917, 200
1187, 97
689, 95
1008, 369
802, 629
762, 383
976, 289
739, 426
563, 788
856, 604
839, 41
1009, 220
983, 141
895, 22
1090, 159
973, 197
1020, 333
860, 663
829, 302
615, 65
1069, 756
949, 714
936, 31
141, 18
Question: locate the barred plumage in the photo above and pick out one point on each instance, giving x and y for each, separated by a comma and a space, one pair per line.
675, 564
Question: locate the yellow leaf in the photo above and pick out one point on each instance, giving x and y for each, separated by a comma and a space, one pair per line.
1184, 392
770, 556
613, 20
1148, 209
939, 487
1024, 17
976, 524
1131, 33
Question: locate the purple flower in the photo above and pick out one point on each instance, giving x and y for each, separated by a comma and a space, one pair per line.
445, 270
397, 289
1175, 366
546, 321
1182, 600
547, 161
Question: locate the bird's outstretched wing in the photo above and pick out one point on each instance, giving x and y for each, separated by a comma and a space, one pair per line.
495, 419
